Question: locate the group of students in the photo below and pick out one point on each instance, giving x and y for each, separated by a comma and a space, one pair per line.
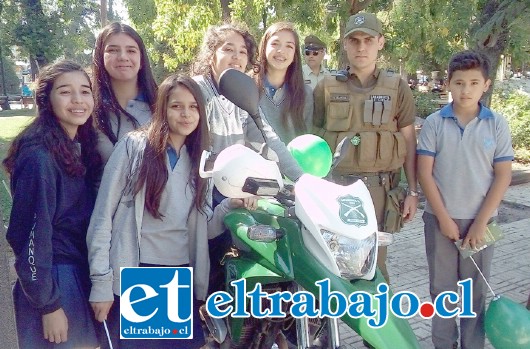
107, 175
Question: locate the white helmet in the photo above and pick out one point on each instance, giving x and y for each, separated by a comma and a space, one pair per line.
234, 165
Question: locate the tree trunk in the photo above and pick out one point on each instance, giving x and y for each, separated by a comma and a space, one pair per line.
357, 6
4, 104
227, 12
103, 10
496, 16
35, 68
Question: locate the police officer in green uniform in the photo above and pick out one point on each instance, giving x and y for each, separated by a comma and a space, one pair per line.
375, 111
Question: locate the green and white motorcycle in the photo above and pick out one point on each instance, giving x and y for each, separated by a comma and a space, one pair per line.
323, 241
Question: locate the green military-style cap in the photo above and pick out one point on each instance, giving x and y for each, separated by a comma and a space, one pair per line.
312, 42
364, 22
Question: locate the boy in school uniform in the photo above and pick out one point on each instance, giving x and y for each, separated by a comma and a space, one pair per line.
464, 168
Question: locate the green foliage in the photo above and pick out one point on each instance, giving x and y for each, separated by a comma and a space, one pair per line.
424, 103
10, 126
515, 107
12, 82
45, 30
75, 32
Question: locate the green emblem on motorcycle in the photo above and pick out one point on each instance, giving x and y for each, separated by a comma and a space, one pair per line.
352, 211
355, 140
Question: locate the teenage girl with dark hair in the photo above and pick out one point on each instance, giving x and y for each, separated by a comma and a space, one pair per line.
53, 164
286, 101
224, 47
230, 46
124, 87
156, 169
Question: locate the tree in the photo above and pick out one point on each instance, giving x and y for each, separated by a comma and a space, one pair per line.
425, 34
45, 30
35, 33
422, 33
490, 33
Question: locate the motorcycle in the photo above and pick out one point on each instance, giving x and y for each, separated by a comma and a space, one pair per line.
294, 242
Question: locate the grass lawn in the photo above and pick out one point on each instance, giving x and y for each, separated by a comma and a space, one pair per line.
11, 123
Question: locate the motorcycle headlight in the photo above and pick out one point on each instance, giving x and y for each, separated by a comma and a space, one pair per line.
354, 258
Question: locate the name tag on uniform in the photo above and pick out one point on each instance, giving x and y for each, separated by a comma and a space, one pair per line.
307, 82
380, 98
339, 97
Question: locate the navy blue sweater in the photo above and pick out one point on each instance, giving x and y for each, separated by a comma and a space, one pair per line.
48, 223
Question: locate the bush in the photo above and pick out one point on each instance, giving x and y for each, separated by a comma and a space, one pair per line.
515, 107
424, 103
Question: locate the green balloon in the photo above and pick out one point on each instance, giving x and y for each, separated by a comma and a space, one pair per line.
312, 154
507, 324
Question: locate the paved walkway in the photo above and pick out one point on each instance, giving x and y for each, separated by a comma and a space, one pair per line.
408, 270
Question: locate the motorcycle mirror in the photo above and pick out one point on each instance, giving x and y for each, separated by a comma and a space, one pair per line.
240, 89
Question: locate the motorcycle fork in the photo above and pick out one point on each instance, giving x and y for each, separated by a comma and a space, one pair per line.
302, 327
334, 335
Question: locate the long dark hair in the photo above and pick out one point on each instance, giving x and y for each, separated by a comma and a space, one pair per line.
46, 129
295, 96
153, 170
104, 97
216, 36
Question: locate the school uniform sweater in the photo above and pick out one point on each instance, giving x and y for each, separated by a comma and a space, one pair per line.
139, 109
229, 125
115, 231
272, 104
48, 223
165, 240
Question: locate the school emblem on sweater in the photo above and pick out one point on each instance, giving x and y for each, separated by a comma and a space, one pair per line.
351, 210
156, 303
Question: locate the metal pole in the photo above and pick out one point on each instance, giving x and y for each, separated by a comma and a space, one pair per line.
5, 105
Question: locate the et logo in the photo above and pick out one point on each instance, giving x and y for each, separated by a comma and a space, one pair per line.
156, 303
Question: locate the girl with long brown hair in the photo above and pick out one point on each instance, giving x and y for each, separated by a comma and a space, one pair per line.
124, 87
152, 182
286, 101
53, 165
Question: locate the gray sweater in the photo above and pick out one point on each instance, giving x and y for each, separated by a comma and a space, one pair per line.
229, 125
114, 233
141, 112
272, 109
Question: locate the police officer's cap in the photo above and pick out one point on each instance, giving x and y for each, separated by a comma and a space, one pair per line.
364, 22
311, 42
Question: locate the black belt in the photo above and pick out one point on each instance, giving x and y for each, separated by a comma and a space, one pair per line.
376, 179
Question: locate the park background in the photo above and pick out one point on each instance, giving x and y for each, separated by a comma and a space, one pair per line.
421, 35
